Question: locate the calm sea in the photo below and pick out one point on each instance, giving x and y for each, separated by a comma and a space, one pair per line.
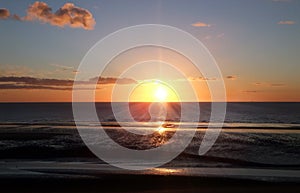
254, 134
270, 113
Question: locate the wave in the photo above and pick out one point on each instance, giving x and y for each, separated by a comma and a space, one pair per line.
142, 125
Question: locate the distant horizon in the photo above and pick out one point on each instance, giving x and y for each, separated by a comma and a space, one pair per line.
152, 102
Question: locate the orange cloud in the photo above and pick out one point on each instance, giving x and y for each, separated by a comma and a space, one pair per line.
266, 84
201, 24
257, 83
277, 84
231, 77
75, 71
4, 13
251, 91
63, 68
287, 22
201, 78
25, 82
67, 15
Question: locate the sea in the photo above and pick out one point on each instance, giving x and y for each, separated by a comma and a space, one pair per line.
253, 135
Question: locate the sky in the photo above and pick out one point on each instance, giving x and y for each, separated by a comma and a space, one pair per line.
255, 43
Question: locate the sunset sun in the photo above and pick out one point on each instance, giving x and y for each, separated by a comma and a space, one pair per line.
161, 94
153, 91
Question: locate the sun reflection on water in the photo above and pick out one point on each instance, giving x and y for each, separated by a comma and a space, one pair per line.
166, 171
161, 130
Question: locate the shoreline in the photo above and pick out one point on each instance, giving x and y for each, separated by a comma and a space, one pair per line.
52, 158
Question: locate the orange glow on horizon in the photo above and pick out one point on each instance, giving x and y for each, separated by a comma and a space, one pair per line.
103, 95
153, 91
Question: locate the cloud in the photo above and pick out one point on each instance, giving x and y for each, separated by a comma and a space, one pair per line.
251, 91
277, 84
36, 81
12, 82
201, 24
200, 78
16, 17
257, 83
231, 77
287, 22
4, 13
14, 86
210, 37
266, 84
14, 70
38, 72
111, 80
62, 67
67, 15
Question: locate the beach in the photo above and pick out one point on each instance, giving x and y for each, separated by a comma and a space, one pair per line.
46, 152
33, 176
54, 159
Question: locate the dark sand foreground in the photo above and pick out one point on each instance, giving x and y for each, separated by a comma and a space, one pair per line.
145, 183
37, 176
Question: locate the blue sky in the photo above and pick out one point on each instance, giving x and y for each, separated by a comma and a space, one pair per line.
245, 37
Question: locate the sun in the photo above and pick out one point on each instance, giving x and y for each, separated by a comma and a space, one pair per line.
153, 91
161, 94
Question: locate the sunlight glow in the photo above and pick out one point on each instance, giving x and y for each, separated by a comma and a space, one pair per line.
161, 130
153, 91
161, 94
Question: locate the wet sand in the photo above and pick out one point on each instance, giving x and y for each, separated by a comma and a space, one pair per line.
37, 176
47, 159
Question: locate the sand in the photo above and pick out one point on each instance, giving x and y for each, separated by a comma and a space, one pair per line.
51, 176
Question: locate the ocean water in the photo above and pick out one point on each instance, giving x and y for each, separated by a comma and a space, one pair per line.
254, 134
273, 113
